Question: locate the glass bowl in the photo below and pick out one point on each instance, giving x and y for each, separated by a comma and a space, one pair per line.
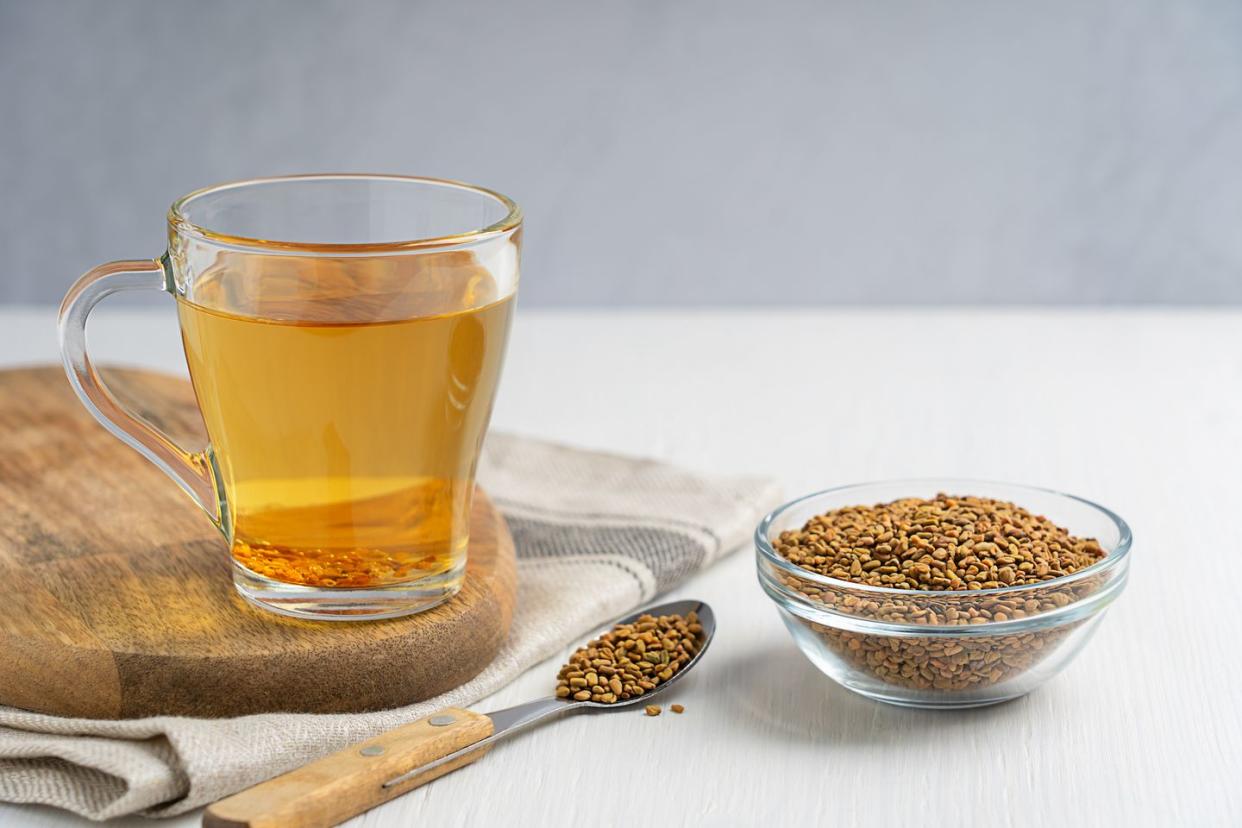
964, 648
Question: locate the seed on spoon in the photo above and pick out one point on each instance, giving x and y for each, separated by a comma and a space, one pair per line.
630, 659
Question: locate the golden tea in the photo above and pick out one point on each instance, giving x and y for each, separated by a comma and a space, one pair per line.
344, 334
346, 400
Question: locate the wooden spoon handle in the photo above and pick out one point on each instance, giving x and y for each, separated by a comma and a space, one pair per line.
330, 790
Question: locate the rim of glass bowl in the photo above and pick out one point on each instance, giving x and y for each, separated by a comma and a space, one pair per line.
1113, 557
180, 222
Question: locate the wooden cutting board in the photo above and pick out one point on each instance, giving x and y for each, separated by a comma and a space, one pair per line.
117, 601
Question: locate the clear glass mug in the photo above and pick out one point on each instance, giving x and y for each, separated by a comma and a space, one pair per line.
344, 336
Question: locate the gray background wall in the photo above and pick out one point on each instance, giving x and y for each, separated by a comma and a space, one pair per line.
667, 152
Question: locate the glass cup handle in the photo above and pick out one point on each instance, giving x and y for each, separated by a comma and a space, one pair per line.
191, 470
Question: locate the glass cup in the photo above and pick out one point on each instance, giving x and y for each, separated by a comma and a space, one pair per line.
344, 336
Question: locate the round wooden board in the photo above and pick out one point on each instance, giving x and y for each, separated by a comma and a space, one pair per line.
117, 601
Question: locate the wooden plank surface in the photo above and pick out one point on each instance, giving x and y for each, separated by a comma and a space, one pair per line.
1140, 410
118, 596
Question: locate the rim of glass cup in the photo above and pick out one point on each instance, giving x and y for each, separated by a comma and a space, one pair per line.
180, 222
1111, 558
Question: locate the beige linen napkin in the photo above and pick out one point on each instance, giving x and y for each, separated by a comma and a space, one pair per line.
596, 535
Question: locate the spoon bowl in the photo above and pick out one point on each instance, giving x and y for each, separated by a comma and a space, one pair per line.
707, 620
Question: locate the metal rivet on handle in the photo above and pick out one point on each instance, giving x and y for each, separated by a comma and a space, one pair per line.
441, 720
372, 750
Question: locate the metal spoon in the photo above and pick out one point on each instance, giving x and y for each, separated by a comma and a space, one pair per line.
344, 784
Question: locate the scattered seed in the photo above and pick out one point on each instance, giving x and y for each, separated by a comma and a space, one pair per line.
652, 710
677, 708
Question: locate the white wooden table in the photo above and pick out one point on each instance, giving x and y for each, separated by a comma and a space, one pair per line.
1141, 411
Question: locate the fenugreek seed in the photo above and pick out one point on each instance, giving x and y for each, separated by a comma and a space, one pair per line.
954, 543
605, 672
677, 708
652, 710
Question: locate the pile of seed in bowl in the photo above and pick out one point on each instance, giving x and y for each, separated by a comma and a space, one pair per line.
631, 659
946, 543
